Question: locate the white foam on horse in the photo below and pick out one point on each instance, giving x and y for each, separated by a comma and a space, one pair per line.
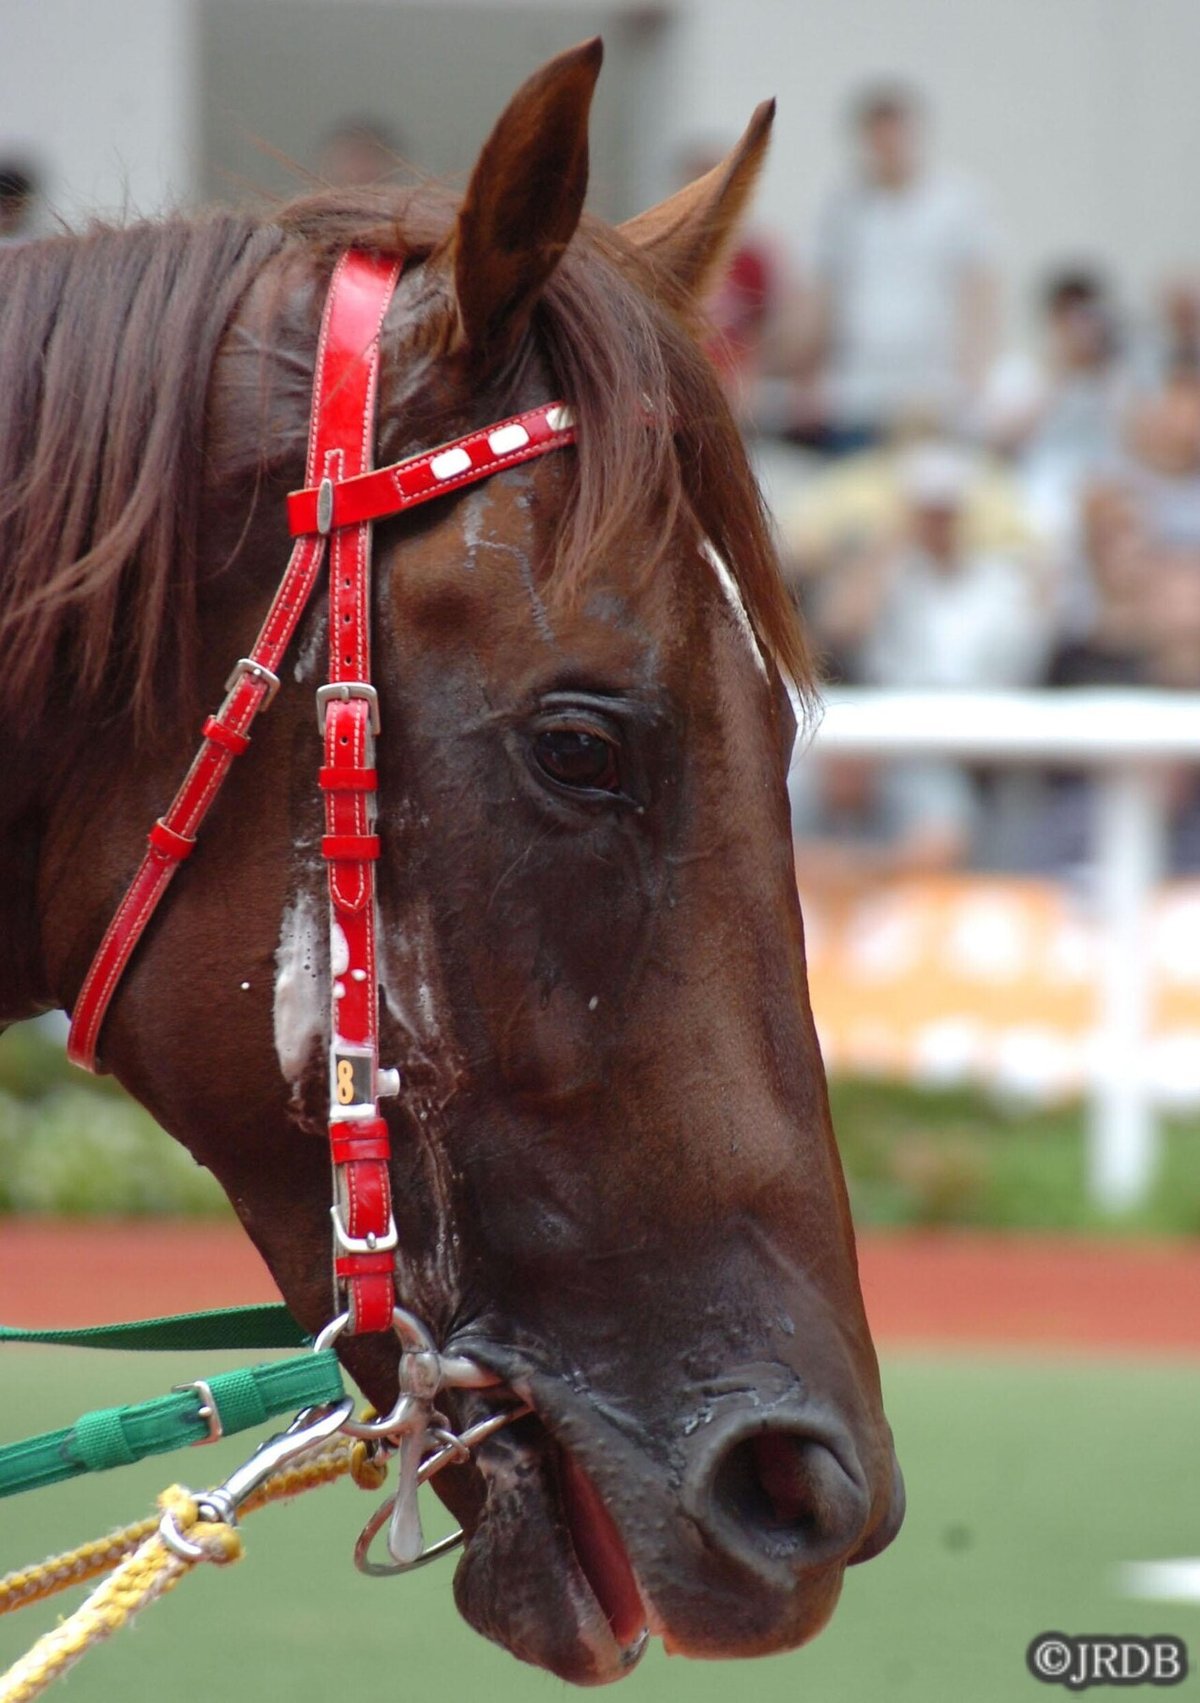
299, 993
733, 597
309, 655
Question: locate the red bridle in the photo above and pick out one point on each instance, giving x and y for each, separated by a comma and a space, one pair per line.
342, 497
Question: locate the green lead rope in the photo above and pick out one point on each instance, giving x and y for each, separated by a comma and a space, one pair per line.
267, 1326
118, 1436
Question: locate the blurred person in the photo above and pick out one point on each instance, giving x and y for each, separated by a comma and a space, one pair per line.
18, 203
1172, 346
855, 822
926, 608
1163, 473
358, 153
906, 317
1112, 649
1059, 418
858, 502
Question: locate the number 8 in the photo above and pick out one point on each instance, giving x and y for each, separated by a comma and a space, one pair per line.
345, 1082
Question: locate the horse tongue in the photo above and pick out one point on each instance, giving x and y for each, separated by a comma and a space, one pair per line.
602, 1555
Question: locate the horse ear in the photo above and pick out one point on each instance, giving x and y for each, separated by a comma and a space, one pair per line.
523, 201
688, 234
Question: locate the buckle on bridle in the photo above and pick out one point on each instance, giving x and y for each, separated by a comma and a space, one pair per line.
341, 691
257, 671
371, 1243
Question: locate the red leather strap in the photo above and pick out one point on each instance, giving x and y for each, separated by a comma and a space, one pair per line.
347, 780
164, 840
342, 497
350, 848
235, 743
343, 436
405, 484
246, 695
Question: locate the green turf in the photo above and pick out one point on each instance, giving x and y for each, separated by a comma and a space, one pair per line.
1029, 1481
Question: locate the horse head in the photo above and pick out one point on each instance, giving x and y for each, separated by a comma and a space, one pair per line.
615, 1181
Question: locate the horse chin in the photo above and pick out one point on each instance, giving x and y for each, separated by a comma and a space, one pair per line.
545, 1573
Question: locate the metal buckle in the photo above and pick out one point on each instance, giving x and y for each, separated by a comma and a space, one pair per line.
343, 691
208, 1411
257, 671
368, 1244
324, 506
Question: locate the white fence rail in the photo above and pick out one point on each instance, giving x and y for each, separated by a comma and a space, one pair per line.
1128, 738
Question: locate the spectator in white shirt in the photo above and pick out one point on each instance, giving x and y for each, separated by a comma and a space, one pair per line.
906, 289
925, 610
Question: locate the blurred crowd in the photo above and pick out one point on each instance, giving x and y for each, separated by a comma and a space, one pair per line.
960, 513
956, 510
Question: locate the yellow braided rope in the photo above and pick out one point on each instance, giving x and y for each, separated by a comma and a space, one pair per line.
76, 1566
152, 1568
151, 1571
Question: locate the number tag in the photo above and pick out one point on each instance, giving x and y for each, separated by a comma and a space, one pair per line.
352, 1082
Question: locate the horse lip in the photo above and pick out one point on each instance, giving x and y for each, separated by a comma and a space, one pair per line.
609, 1644
603, 1559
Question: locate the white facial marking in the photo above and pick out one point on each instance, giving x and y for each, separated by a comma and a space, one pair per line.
299, 1015
339, 950
733, 597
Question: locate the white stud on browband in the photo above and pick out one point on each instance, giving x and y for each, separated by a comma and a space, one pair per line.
507, 438
449, 463
559, 419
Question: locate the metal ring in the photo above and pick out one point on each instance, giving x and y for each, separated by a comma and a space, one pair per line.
329, 1333
390, 1425
388, 1569
452, 1448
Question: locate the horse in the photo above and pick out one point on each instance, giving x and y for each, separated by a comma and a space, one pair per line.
615, 1183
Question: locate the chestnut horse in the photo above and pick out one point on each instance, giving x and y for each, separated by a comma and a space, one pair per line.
616, 1184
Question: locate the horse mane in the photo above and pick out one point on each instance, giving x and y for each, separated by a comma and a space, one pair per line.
108, 341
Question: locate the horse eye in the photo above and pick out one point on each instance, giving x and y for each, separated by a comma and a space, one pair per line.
577, 757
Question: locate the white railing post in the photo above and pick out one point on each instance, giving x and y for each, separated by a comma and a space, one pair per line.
1129, 842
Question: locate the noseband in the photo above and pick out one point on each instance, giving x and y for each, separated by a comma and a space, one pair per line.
343, 495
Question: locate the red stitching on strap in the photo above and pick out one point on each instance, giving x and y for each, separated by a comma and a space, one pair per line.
170, 844
226, 737
339, 779
350, 848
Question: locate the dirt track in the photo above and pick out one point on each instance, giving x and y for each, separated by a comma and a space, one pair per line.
951, 1288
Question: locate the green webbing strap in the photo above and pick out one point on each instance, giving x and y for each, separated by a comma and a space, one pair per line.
116, 1436
266, 1326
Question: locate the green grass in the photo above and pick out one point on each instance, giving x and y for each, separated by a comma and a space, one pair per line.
1030, 1481
960, 1157
71, 1144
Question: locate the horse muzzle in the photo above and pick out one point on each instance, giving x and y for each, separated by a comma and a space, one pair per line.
732, 1540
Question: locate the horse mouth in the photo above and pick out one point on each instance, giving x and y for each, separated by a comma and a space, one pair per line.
546, 1573
603, 1559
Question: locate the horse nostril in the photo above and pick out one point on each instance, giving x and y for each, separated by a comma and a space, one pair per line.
789, 1494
